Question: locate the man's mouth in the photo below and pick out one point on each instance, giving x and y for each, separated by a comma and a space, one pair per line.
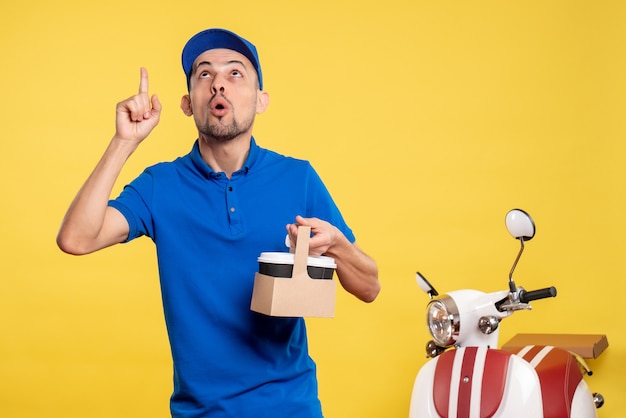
219, 106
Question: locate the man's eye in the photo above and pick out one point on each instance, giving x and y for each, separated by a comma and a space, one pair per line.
204, 74
236, 73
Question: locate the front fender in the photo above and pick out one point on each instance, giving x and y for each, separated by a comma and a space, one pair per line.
479, 381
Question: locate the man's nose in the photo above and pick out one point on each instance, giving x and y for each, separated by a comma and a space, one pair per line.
218, 85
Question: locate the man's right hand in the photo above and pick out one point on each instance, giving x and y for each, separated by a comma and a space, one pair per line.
137, 115
90, 224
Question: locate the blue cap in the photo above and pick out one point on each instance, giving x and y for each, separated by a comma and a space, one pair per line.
214, 39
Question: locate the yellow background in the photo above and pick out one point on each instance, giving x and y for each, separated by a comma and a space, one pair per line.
428, 120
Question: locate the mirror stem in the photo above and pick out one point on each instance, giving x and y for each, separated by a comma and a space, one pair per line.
511, 282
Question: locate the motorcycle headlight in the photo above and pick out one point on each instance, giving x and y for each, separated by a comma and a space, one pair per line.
443, 321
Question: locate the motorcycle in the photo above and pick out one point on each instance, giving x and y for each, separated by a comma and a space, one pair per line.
475, 379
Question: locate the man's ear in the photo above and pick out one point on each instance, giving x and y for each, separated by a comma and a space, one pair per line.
262, 101
185, 105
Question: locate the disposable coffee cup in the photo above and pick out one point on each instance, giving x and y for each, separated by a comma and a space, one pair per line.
281, 265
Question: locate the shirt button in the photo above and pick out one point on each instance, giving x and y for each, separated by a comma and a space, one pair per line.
232, 209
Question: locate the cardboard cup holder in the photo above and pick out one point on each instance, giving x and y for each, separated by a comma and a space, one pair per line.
295, 284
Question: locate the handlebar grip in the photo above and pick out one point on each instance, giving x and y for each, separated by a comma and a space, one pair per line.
548, 292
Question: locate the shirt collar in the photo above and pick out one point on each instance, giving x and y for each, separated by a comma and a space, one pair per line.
207, 171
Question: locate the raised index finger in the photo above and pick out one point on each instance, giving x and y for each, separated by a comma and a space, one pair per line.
143, 82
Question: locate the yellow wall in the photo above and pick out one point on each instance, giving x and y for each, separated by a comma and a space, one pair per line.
428, 120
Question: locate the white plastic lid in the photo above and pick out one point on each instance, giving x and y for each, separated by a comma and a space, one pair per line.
287, 258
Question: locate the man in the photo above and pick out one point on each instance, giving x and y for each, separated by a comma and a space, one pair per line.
210, 214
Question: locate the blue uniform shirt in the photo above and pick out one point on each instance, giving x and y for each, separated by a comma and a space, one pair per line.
209, 231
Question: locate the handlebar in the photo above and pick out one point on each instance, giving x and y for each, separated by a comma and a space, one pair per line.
548, 292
